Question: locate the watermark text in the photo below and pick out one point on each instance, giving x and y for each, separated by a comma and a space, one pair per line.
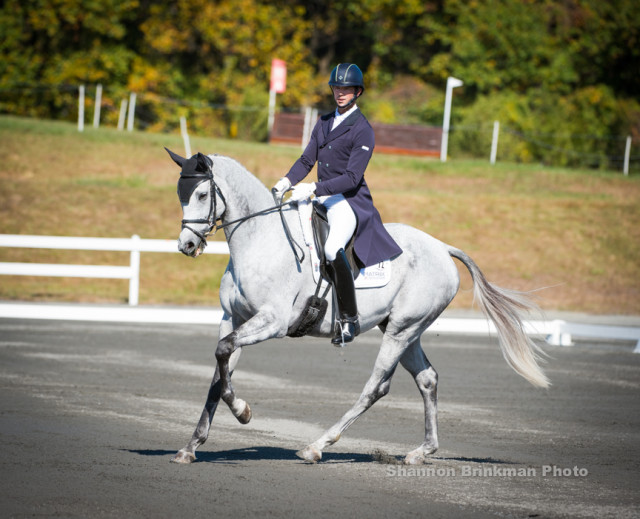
487, 471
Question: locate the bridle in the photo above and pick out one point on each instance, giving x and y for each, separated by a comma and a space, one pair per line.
196, 178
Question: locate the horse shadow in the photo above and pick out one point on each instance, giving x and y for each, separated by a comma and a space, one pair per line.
266, 453
260, 453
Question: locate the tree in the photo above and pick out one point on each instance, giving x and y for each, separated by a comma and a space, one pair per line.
52, 46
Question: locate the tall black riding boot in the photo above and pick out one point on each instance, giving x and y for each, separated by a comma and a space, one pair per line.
347, 326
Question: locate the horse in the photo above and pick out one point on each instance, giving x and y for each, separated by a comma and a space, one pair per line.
265, 286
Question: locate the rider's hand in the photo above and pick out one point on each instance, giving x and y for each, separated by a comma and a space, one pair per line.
282, 186
303, 191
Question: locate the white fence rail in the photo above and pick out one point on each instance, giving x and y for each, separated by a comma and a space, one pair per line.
557, 332
134, 245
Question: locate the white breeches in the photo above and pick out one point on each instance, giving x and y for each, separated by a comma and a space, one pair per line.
342, 224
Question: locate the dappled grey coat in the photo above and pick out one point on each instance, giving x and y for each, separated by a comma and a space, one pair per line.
342, 156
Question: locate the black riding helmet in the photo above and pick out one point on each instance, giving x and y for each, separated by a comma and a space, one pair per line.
346, 75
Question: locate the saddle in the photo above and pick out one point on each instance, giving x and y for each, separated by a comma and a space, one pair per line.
320, 226
317, 305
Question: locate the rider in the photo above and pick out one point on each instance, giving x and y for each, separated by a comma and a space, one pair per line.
342, 143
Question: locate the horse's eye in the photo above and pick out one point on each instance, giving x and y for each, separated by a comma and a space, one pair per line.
202, 196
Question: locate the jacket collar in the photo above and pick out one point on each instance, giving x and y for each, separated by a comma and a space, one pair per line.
342, 128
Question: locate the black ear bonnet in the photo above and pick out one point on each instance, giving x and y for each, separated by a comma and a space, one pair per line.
195, 170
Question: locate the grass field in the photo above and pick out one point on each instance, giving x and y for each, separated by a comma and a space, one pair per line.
572, 236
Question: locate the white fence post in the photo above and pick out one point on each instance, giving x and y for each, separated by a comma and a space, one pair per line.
185, 136
132, 109
627, 152
97, 106
307, 123
134, 282
310, 117
123, 114
452, 83
81, 108
494, 142
272, 112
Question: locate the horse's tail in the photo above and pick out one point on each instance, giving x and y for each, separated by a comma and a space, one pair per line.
503, 307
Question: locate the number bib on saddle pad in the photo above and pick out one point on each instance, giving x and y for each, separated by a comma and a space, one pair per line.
374, 276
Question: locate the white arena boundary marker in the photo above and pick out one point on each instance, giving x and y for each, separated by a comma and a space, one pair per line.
556, 333
106, 313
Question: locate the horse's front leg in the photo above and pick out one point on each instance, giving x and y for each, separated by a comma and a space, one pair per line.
264, 325
201, 433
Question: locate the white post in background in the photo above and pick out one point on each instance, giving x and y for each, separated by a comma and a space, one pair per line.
97, 106
305, 128
310, 117
494, 141
134, 282
452, 83
272, 111
185, 136
81, 108
132, 109
627, 152
123, 114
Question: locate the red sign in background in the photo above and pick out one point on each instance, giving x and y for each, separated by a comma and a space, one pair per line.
278, 76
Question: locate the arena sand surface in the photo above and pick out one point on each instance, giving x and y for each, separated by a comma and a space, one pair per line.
92, 412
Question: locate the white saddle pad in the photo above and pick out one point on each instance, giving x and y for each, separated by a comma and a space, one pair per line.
371, 277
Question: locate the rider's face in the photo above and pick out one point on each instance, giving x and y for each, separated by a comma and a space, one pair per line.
343, 95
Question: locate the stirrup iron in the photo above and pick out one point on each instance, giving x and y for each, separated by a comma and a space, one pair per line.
346, 331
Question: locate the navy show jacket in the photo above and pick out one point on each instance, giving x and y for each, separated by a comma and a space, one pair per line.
342, 156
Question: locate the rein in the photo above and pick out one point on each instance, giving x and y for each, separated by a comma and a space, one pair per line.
278, 207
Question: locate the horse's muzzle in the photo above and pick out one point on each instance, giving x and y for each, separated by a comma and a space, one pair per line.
190, 244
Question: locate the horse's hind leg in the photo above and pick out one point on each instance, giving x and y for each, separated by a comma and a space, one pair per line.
376, 387
415, 362
201, 433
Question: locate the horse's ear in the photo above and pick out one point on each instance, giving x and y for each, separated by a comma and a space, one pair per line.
176, 158
204, 163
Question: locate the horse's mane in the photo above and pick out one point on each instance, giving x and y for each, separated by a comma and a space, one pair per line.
237, 174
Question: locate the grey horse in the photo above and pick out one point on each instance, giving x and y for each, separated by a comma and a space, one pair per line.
265, 288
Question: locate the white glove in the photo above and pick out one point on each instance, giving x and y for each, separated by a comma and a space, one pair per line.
303, 191
281, 187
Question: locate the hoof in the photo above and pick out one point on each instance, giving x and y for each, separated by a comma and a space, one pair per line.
415, 459
183, 457
244, 417
310, 455
419, 456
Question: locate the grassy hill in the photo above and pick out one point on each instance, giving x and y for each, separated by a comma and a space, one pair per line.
573, 236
